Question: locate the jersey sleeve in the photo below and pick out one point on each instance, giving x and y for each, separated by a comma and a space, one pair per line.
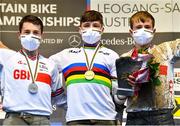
176, 48
5, 54
113, 58
58, 94
171, 48
57, 59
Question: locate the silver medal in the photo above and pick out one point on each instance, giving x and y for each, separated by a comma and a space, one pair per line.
33, 88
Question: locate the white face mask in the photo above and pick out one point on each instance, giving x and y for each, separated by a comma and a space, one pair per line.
90, 36
30, 42
143, 36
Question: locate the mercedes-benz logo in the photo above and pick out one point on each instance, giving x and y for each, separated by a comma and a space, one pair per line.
74, 41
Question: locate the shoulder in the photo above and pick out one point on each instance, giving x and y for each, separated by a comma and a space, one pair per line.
49, 62
167, 46
6, 52
127, 54
66, 51
61, 56
176, 41
108, 51
46, 60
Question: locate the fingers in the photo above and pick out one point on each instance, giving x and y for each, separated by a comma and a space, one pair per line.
132, 80
131, 77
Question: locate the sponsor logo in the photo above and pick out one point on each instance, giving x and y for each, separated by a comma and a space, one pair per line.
43, 67
21, 62
21, 74
74, 41
74, 51
105, 53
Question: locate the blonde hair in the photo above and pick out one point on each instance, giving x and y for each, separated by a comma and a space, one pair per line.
141, 16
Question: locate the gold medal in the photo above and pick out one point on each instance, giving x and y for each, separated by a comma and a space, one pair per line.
89, 75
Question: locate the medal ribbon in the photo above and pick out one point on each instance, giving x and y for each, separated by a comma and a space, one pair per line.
91, 63
35, 73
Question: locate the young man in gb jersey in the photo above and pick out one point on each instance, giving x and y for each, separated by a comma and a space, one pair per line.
29, 80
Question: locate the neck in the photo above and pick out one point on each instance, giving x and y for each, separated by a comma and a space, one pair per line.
30, 53
90, 45
143, 47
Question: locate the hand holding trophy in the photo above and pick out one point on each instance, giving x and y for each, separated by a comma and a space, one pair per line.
125, 66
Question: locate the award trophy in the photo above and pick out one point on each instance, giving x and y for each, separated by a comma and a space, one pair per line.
125, 66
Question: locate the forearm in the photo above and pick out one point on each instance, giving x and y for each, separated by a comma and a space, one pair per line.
60, 101
118, 99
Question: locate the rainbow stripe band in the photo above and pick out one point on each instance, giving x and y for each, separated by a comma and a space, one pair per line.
75, 79
74, 74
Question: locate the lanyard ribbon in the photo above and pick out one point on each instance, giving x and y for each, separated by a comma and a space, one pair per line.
89, 66
35, 73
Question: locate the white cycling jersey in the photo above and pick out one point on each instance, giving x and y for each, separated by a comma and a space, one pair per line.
16, 77
88, 99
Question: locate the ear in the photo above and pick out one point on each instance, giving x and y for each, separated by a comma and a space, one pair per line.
80, 30
18, 35
131, 32
42, 35
102, 29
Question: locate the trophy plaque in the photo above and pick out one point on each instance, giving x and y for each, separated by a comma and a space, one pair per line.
125, 66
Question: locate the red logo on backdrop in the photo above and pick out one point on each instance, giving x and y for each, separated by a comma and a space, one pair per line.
171, 86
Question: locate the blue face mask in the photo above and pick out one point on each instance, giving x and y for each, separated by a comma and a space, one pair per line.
30, 42
91, 36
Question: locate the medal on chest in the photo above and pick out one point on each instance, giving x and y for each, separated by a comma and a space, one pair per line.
89, 74
32, 87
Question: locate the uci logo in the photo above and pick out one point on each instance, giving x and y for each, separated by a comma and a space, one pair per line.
74, 41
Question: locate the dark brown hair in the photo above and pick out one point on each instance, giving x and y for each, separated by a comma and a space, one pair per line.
32, 19
91, 15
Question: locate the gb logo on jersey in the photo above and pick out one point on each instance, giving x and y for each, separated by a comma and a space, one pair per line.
21, 74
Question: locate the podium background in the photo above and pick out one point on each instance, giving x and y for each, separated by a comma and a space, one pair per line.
61, 20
